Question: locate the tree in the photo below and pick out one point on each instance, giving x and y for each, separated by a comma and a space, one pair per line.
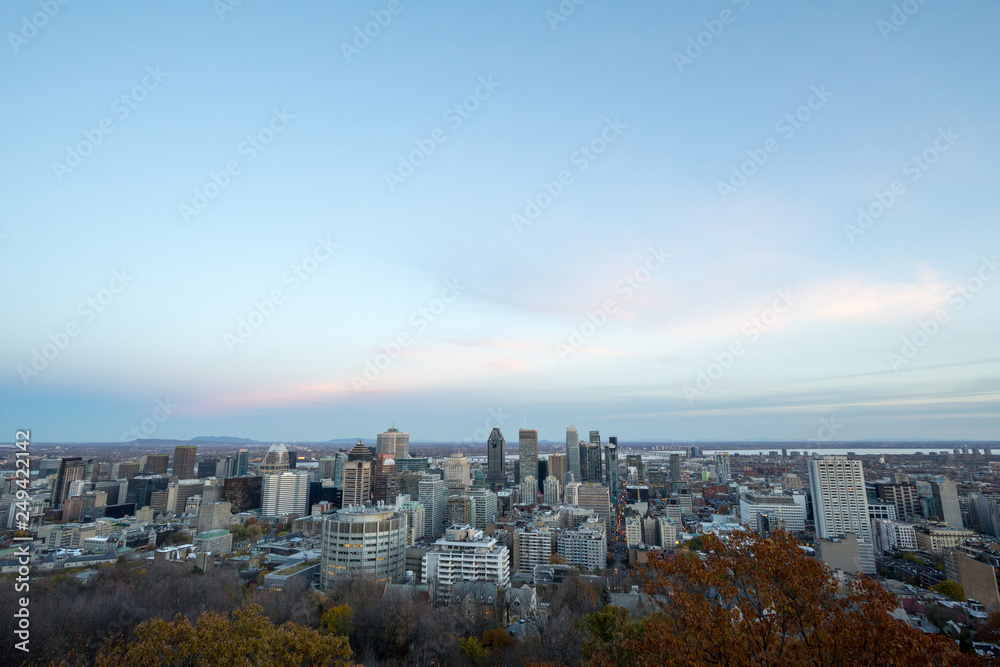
757, 601
695, 543
614, 637
557, 559
950, 589
245, 638
338, 620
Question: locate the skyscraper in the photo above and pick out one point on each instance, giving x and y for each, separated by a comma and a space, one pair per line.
722, 468
357, 482
840, 504
70, 470
327, 467
360, 453
285, 493
527, 452
675, 468
594, 472
613, 474
242, 463
393, 442
338, 468
558, 468
208, 467
157, 464
595, 438
275, 461
572, 455
495, 476
432, 496
946, 505
184, 461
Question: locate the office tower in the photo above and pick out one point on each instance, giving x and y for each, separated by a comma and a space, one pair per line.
465, 554
243, 492
572, 455
675, 468
946, 505
70, 470
595, 438
484, 507
393, 442
208, 468
594, 472
432, 497
558, 468
360, 452
325, 491
285, 493
327, 467
543, 472
904, 496
275, 461
528, 490
242, 463
413, 464
226, 468
156, 464
363, 541
495, 475
357, 482
184, 456
124, 470
457, 472
840, 505
722, 468
338, 468
582, 453
293, 459
214, 516
551, 495
613, 472
635, 461
527, 453
595, 496
385, 465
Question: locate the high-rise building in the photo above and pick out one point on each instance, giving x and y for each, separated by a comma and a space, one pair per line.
357, 483
594, 471
243, 492
293, 459
558, 467
840, 504
457, 510
484, 507
791, 510
551, 495
71, 469
495, 476
360, 452
585, 547
327, 467
572, 455
393, 442
613, 472
184, 456
457, 472
528, 490
946, 502
242, 463
904, 496
465, 554
527, 452
157, 464
571, 493
385, 465
339, 467
432, 496
582, 452
675, 469
285, 493
415, 519
595, 438
364, 541
532, 546
722, 468
275, 461
214, 516
595, 496
208, 468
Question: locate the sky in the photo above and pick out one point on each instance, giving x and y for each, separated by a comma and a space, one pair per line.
729, 220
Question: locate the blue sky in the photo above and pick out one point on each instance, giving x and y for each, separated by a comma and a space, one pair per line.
616, 304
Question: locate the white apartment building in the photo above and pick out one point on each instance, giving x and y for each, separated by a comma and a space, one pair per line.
465, 554
585, 547
791, 511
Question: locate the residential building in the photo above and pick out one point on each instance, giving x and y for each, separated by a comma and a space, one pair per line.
840, 506
465, 554
722, 471
585, 547
791, 511
532, 546
890, 535
484, 507
946, 503
285, 493
551, 494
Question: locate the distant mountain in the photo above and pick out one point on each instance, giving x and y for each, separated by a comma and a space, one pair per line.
226, 440
344, 441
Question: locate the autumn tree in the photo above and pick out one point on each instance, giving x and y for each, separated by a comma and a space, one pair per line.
246, 637
756, 601
950, 589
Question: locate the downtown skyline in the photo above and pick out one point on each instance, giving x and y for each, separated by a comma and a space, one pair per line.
674, 223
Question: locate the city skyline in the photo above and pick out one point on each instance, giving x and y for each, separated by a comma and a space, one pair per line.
744, 221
